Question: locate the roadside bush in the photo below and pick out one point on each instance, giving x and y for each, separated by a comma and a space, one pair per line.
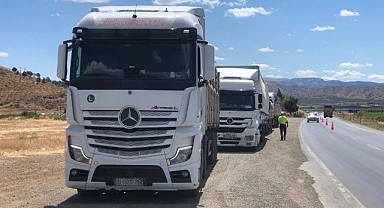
298, 114
8, 116
58, 117
380, 119
26, 114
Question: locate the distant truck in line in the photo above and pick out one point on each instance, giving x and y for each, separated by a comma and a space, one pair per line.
328, 111
274, 109
244, 107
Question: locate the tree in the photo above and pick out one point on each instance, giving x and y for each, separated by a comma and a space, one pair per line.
29, 74
38, 77
60, 83
14, 69
48, 79
290, 104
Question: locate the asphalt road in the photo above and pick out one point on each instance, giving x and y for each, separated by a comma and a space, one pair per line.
352, 157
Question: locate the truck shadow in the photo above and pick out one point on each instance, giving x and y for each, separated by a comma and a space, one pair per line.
131, 199
244, 150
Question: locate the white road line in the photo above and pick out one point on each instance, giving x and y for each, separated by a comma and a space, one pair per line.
378, 148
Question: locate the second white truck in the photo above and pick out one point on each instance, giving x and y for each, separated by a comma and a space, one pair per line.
244, 106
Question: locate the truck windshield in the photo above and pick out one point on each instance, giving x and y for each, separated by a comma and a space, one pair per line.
237, 100
132, 60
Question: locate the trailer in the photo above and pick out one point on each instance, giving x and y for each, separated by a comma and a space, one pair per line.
328, 111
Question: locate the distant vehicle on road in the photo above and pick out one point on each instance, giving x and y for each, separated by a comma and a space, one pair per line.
313, 116
328, 111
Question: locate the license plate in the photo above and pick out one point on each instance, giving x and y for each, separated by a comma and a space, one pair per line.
129, 182
229, 136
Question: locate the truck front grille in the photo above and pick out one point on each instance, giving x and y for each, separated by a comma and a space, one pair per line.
231, 129
130, 152
153, 135
233, 124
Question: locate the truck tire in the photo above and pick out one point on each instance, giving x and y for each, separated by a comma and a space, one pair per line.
262, 133
212, 158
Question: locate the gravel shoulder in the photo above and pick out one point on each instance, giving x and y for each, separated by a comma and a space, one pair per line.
268, 177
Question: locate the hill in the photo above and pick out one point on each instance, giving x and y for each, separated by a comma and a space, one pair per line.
24, 93
312, 91
19, 93
320, 83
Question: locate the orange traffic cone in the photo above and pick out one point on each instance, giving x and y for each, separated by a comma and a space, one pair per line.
326, 122
332, 126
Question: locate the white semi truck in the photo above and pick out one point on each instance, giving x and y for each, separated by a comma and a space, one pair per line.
275, 109
244, 106
142, 103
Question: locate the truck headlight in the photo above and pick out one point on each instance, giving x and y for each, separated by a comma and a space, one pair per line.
248, 138
182, 154
77, 154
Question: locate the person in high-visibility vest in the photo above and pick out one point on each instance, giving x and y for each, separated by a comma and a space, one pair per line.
283, 120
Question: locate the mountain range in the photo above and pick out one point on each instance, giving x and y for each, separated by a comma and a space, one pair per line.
320, 83
316, 91
25, 93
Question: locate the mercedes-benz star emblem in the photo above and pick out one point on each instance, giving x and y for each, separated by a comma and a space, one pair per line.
229, 121
129, 117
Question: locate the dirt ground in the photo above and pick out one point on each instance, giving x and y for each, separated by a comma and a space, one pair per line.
31, 136
267, 177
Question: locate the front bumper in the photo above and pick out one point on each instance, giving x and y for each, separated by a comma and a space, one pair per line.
239, 139
103, 171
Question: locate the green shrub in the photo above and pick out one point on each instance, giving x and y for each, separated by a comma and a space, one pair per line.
380, 119
8, 116
26, 114
298, 114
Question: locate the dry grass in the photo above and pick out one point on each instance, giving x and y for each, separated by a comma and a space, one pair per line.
31, 135
362, 120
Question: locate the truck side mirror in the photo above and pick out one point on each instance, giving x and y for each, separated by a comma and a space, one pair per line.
62, 62
209, 62
260, 98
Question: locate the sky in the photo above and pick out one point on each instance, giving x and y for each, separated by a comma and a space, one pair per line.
328, 39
